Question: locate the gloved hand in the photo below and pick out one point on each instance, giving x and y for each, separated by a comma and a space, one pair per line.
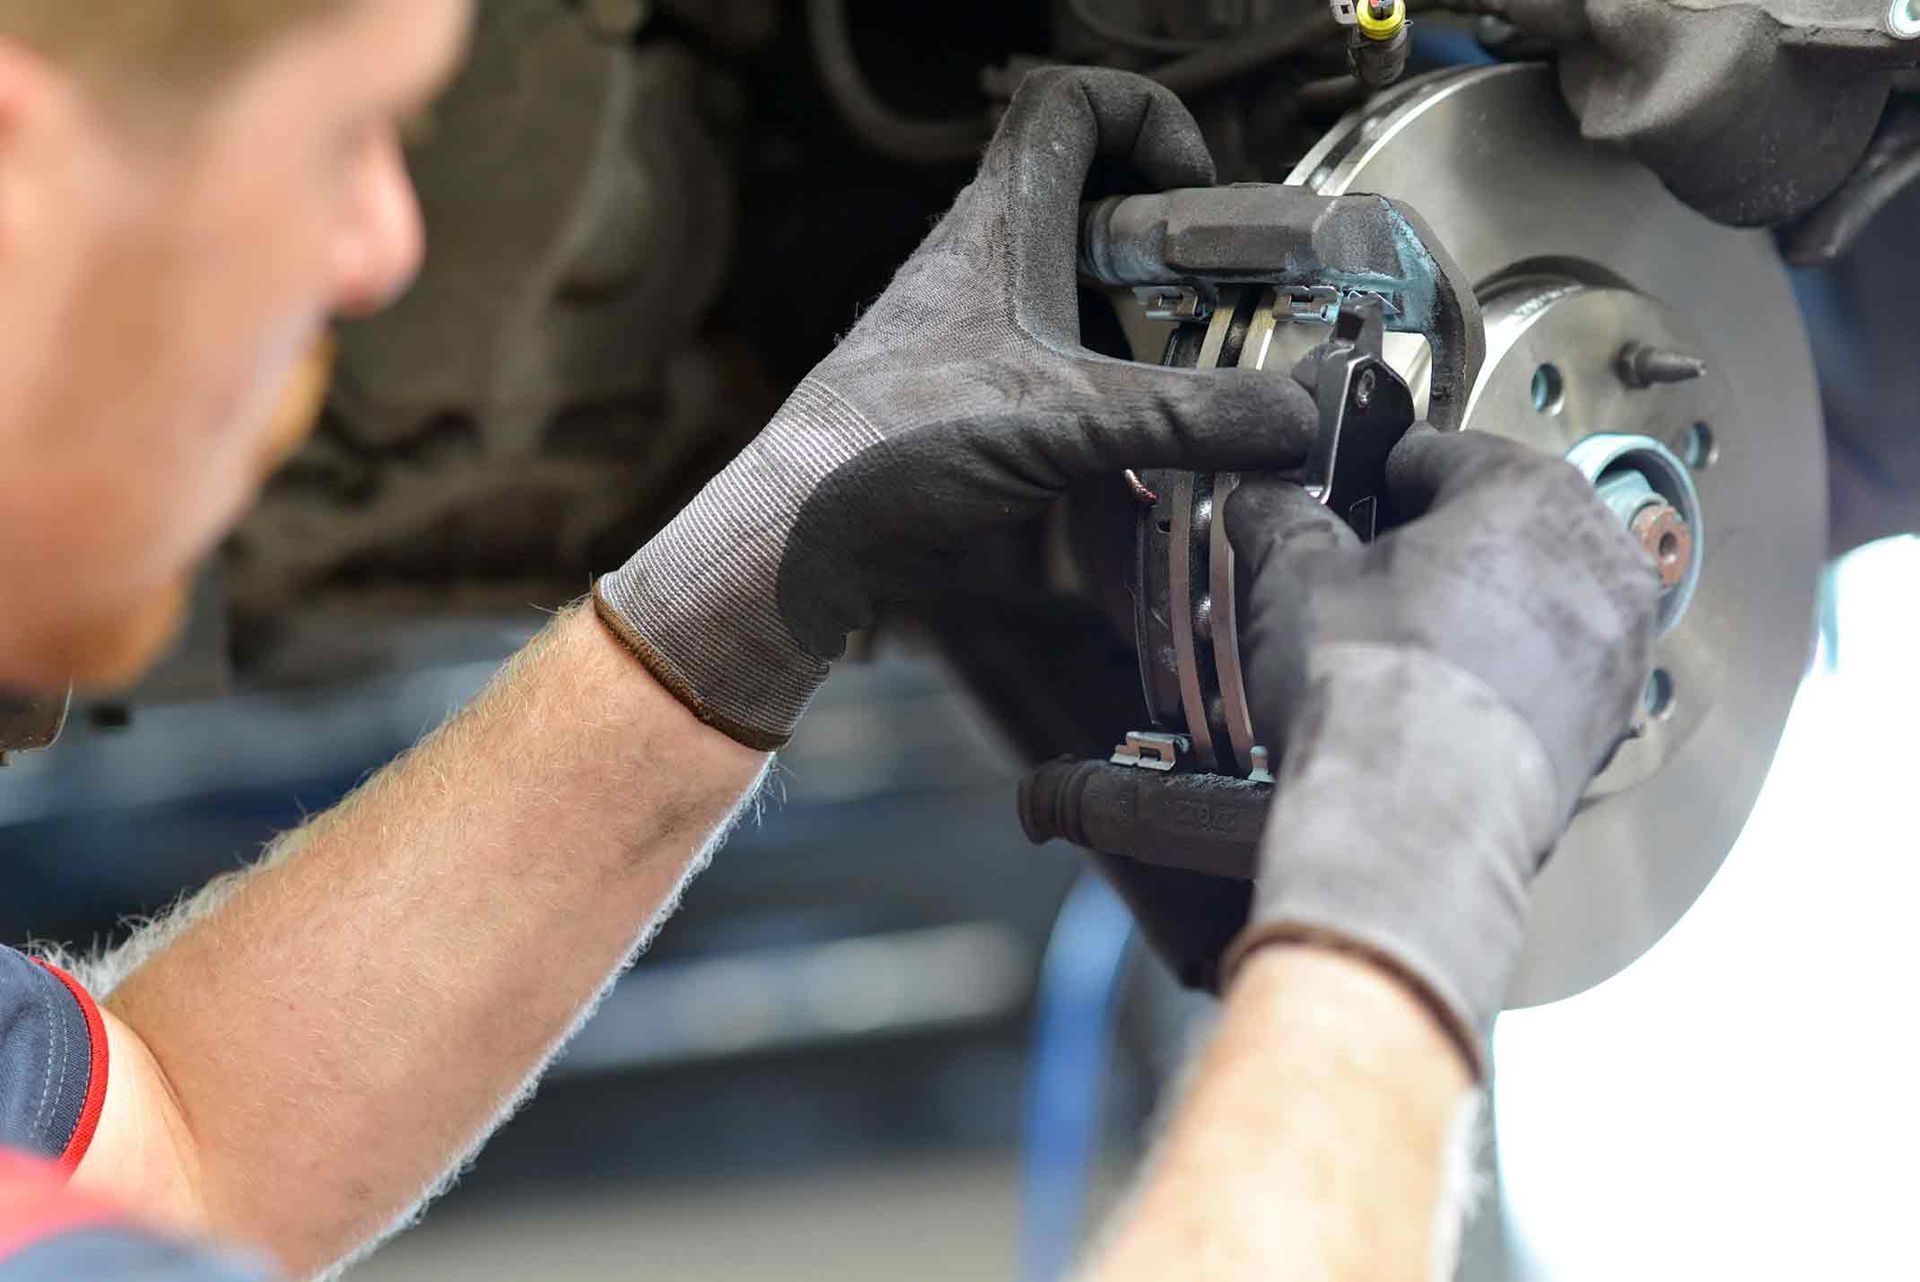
961, 400
1440, 700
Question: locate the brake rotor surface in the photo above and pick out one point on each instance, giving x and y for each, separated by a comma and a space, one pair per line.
1575, 252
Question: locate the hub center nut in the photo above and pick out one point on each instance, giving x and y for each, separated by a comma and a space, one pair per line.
1652, 492
1659, 526
1664, 533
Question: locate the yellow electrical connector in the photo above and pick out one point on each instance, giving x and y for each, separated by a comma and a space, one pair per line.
1381, 21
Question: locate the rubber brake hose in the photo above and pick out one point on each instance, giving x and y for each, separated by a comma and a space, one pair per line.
879, 126
960, 138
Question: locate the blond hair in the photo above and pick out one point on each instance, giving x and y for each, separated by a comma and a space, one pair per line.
145, 45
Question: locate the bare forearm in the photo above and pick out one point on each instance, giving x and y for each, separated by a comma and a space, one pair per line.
1313, 1141
358, 1013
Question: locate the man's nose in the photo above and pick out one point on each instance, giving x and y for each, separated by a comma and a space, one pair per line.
379, 251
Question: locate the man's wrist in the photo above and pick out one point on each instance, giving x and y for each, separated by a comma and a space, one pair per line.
1379, 1022
1413, 805
1257, 947
1312, 1136
662, 670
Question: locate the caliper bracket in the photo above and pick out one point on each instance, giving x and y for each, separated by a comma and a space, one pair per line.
1229, 265
1332, 248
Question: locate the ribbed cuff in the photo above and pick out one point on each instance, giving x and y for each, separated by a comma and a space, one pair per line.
676, 685
699, 604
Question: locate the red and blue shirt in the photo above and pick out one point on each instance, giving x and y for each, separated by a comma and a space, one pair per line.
53, 1084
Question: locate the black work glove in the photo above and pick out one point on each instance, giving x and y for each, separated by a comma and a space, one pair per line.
1440, 700
961, 400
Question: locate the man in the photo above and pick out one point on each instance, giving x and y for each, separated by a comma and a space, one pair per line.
295, 1060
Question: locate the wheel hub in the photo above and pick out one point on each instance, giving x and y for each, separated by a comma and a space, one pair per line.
1585, 265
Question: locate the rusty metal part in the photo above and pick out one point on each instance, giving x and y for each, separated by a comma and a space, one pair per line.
1633, 472
1667, 538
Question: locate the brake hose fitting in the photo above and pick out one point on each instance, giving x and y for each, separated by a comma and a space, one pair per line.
1377, 39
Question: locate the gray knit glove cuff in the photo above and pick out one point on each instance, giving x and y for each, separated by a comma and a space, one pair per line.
1412, 810
719, 560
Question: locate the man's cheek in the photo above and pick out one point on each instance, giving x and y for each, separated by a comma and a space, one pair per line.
113, 650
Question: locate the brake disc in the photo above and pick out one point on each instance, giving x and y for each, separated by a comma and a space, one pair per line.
1577, 253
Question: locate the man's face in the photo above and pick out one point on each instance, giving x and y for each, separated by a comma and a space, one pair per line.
156, 293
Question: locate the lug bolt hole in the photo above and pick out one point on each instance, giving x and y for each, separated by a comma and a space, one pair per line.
1549, 389
1656, 700
1698, 448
